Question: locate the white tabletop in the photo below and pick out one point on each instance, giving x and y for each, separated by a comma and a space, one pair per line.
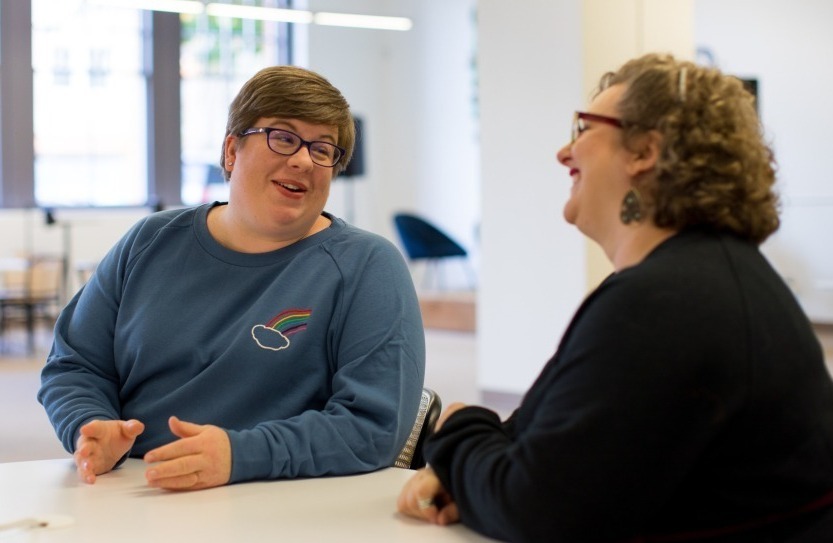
121, 507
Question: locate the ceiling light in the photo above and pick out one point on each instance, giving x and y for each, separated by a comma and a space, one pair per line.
262, 14
362, 21
173, 6
237, 11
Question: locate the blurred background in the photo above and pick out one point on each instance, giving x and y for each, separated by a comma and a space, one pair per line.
111, 109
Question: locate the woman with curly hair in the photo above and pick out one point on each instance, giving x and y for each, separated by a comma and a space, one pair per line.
689, 398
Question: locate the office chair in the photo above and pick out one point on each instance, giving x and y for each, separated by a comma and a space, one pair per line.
424, 241
429, 411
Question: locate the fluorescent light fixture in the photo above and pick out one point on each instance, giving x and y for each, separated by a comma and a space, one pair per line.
262, 14
237, 11
362, 21
173, 6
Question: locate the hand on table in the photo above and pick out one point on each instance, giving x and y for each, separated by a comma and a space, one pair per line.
101, 444
424, 497
200, 458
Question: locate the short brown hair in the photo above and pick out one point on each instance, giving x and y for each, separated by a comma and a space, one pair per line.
715, 170
293, 93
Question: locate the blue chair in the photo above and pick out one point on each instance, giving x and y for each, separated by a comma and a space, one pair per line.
424, 241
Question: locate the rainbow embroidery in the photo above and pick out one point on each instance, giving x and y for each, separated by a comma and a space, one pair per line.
274, 335
291, 321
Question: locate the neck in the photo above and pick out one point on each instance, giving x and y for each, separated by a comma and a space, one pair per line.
634, 244
229, 234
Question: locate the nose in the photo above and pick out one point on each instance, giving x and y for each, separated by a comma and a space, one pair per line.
564, 154
302, 157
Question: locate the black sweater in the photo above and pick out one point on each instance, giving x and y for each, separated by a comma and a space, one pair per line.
689, 395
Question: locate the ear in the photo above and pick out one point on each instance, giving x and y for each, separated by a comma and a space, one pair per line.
645, 151
230, 150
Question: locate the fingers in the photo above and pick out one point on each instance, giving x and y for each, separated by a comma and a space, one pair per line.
423, 497
448, 514
83, 463
180, 447
131, 429
95, 429
87, 448
101, 443
189, 481
181, 428
176, 474
183, 474
200, 458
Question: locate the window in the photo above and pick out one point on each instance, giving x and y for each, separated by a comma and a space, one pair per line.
218, 55
89, 105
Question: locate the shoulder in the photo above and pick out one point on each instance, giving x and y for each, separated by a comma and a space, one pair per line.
148, 229
690, 260
690, 277
173, 218
365, 256
169, 218
694, 281
348, 240
683, 304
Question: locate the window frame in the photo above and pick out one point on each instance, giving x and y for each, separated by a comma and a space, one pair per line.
161, 58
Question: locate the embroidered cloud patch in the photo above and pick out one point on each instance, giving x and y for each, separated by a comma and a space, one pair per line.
275, 334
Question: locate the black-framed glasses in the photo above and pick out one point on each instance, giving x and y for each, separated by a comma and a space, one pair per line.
288, 143
580, 125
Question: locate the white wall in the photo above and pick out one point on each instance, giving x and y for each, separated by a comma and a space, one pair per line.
788, 47
538, 65
415, 91
535, 66
533, 266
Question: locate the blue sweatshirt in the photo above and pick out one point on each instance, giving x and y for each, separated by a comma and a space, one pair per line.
311, 357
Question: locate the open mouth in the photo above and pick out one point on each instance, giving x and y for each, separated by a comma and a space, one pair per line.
292, 188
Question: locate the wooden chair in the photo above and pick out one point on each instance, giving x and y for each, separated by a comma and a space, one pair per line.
31, 293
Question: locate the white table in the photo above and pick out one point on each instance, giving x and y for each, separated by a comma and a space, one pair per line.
121, 507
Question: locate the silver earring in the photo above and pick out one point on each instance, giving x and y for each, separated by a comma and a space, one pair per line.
631, 207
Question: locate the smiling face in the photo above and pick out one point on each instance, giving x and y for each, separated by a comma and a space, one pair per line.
274, 198
597, 161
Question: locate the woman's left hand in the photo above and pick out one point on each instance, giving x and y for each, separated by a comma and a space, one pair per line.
200, 458
424, 497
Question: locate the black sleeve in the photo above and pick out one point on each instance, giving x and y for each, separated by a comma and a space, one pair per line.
461, 436
611, 425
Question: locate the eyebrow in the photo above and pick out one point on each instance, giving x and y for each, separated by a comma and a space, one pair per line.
291, 126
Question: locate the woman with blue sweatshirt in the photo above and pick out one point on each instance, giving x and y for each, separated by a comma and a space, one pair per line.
260, 338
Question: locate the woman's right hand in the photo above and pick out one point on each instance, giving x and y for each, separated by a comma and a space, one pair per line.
424, 497
101, 444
